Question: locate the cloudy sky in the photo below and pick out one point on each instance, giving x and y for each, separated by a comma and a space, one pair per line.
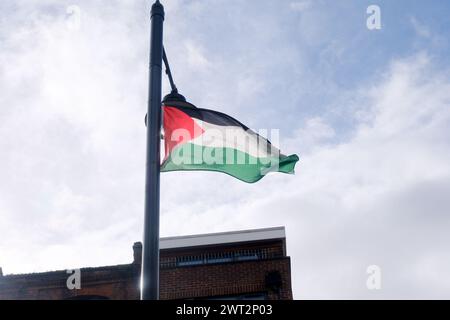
368, 112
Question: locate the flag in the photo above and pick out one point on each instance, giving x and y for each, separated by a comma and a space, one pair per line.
202, 139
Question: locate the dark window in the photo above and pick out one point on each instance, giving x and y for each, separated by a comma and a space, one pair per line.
218, 257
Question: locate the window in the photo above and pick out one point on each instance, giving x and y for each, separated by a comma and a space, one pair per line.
218, 257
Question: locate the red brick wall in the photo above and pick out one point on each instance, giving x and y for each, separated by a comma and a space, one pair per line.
122, 282
117, 282
224, 279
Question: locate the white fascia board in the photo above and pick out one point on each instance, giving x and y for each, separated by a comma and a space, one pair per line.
222, 238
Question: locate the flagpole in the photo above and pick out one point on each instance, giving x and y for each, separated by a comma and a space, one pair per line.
150, 252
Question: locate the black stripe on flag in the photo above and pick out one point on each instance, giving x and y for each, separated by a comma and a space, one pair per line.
216, 118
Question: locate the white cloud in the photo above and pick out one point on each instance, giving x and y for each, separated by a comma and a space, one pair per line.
314, 134
196, 59
419, 28
300, 6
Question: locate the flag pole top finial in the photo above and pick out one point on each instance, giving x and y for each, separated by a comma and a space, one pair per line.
157, 9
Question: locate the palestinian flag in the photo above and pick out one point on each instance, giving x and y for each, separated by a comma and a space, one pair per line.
201, 139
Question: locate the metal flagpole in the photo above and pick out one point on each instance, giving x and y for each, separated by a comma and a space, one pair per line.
150, 252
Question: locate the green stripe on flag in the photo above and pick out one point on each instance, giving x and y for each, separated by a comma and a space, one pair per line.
236, 163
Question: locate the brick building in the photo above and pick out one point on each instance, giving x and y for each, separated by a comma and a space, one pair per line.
250, 264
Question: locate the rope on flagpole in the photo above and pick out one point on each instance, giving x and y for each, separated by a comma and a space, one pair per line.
169, 73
